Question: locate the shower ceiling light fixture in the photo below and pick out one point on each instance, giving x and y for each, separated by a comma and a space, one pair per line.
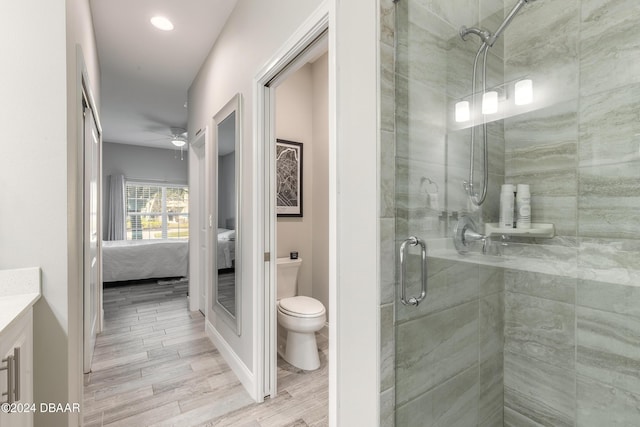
524, 92
490, 102
462, 111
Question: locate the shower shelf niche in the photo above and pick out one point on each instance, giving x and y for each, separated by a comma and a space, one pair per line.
540, 230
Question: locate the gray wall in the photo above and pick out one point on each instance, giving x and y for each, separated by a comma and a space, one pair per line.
141, 163
157, 164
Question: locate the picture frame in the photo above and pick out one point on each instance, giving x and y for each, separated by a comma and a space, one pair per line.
288, 178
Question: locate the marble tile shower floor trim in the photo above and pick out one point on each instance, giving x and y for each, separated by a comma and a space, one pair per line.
154, 366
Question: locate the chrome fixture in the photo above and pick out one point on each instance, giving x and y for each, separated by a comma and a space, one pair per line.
413, 241
465, 235
13, 376
488, 40
484, 35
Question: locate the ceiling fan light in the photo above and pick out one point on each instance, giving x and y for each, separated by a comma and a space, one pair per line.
178, 142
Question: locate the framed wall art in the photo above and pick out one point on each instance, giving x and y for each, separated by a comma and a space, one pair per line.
288, 178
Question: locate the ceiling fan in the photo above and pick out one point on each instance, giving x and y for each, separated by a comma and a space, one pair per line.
178, 137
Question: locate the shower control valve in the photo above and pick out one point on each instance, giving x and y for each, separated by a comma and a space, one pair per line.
465, 235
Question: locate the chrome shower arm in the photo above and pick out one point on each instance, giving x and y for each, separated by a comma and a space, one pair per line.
484, 35
506, 22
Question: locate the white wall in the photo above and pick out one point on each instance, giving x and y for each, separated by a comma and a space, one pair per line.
39, 174
302, 116
355, 352
33, 170
253, 33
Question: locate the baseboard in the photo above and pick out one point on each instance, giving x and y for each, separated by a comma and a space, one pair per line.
247, 379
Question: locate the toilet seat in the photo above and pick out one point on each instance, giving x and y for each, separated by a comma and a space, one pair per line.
301, 306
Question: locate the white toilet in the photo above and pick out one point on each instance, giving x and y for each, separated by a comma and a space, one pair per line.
299, 318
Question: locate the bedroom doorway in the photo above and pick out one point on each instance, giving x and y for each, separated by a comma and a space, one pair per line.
310, 43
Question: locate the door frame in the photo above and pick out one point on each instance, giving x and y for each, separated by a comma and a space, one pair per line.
198, 157
265, 321
85, 95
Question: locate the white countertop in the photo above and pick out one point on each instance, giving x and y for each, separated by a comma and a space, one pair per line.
19, 290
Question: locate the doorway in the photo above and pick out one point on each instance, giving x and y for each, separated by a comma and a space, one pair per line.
308, 47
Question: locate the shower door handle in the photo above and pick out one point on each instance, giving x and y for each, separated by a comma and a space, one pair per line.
413, 241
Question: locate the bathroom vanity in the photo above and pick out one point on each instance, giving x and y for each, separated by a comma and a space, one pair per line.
19, 290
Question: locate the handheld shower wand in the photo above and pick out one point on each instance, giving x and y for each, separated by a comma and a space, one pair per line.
488, 40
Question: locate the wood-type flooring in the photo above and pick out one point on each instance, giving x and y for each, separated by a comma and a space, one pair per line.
155, 366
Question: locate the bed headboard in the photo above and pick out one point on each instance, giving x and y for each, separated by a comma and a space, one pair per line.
230, 223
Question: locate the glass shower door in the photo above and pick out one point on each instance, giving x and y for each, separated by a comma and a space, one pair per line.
448, 359
537, 329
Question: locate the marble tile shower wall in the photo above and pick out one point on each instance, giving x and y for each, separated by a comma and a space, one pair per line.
572, 344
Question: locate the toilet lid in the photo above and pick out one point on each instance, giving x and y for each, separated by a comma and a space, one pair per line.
301, 306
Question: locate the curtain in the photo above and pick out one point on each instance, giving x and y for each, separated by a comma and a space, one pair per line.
116, 227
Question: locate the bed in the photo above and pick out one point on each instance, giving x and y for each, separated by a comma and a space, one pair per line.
226, 248
144, 259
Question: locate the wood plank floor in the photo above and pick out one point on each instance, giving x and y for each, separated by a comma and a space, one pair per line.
154, 366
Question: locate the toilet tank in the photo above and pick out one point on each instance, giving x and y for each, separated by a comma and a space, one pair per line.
287, 277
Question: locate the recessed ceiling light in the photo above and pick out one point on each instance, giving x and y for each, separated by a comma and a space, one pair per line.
162, 23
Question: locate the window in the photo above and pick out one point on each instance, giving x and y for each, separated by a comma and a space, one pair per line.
157, 211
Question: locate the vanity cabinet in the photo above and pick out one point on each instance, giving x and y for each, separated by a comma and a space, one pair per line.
16, 350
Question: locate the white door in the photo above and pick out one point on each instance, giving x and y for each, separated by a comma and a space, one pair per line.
90, 236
